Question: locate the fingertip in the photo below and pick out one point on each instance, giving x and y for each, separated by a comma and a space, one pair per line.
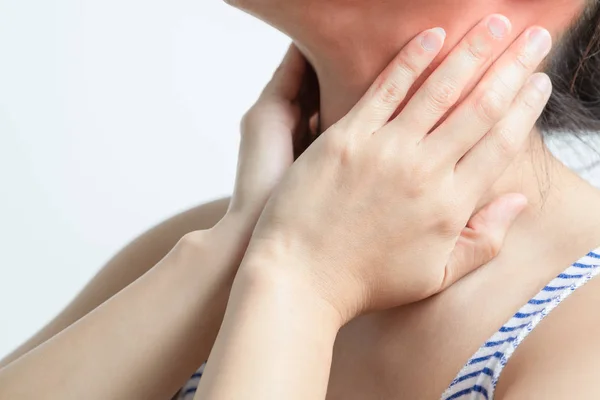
500, 213
293, 56
515, 202
506, 209
287, 79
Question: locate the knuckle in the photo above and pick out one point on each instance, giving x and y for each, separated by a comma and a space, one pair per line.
406, 67
503, 141
390, 92
442, 95
338, 147
490, 106
447, 218
531, 99
447, 224
500, 82
476, 49
525, 61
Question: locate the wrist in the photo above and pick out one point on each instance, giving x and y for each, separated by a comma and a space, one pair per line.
235, 226
230, 237
212, 254
273, 322
281, 282
307, 268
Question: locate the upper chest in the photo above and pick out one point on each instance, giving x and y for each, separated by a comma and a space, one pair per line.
414, 352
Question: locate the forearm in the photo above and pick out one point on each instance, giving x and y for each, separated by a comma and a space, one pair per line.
124, 268
276, 342
142, 343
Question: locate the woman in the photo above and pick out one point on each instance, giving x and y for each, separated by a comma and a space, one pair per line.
417, 351
419, 327
299, 283
171, 314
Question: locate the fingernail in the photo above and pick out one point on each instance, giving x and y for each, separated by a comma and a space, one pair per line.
498, 26
539, 41
440, 30
431, 39
541, 82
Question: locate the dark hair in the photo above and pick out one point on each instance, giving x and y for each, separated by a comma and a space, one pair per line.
574, 68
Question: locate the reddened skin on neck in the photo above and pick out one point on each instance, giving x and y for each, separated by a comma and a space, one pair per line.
349, 42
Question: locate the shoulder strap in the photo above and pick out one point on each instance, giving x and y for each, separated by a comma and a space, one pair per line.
479, 376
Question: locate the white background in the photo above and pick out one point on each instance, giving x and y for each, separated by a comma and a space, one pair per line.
114, 115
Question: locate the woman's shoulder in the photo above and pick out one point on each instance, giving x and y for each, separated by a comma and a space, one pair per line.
560, 359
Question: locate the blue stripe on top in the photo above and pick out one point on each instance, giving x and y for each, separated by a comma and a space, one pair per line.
477, 379
512, 328
475, 389
593, 254
497, 354
188, 391
485, 371
555, 288
522, 315
585, 266
538, 302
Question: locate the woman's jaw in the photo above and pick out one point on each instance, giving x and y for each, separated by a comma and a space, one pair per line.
349, 42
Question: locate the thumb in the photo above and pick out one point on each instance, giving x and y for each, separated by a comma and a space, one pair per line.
483, 237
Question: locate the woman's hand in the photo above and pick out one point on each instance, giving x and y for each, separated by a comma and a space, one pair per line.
268, 131
370, 216
376, 213
278, 122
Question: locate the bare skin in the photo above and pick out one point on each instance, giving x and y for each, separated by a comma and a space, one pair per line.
148, 338
418, 349
415, 351
125, 267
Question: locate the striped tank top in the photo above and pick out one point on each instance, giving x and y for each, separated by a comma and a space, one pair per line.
479, 376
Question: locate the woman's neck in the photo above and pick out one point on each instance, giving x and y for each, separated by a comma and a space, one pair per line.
561, 204
348, 50
350, 42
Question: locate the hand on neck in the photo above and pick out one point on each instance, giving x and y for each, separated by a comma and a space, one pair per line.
350, 42
350, 47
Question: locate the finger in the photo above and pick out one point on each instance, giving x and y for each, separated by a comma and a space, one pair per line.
482, 239
492, 98
287, 79
265, 154
382, 99
488, 159
444, 87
